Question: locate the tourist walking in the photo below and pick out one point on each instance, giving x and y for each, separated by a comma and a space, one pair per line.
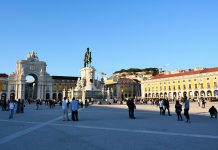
65, 109
37, 104
131, 107
178, 108
166, 106
161, 106
74, 108
11, 109
186, 109
203, 103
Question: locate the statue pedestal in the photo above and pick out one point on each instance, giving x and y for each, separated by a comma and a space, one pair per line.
88, 75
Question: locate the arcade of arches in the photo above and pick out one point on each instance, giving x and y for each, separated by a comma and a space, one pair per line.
194, 84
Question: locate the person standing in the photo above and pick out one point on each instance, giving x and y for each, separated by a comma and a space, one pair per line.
37, 104
11, 109
161, 106
131, 107
74, 109
65, 109
22, 105
178, 108
199, 102
203, 103
167, 106
186, 109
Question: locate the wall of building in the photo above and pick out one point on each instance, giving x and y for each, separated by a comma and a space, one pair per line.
194, 86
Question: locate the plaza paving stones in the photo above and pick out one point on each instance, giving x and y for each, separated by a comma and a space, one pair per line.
107, 127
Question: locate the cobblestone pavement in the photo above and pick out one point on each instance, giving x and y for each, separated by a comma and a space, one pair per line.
107, 127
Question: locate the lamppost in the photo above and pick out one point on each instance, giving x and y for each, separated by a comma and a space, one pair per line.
122, 94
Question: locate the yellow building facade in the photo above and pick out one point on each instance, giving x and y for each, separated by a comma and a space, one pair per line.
62, 85
3, 86
193, 83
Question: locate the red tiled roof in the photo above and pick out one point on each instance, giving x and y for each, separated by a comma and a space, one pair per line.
206, 70
126, 80
3, 75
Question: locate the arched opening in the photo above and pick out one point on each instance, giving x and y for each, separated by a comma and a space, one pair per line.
196, 94
146, 95
60, 97
47, 96
157, 95
149, 95
31, 86
209, 95
190, 94
174, 95
215, 93
165, 95
161, 95
153, 95
12, 96
170, 96
185, 94
179, 95
3, 96
202, 94
54, 96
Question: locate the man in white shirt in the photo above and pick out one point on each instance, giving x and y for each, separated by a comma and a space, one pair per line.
74, 108
11, 109
65, 109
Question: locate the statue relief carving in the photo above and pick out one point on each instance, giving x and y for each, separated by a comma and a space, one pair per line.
32, 56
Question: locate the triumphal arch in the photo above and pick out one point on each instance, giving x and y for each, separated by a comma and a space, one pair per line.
40, 88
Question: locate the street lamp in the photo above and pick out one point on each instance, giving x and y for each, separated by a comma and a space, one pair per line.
122, 94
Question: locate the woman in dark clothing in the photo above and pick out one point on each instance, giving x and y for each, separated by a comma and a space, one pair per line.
178, 108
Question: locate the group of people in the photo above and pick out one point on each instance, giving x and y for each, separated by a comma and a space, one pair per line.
164, 105
178, 110
73, 107
201, 102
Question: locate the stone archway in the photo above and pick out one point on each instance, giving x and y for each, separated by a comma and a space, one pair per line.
165, 95
31, 66
47, 97
185, 94
174, 95
157, 95
60, 97
209, 93
202, 94
161, 95
190, 94
3, 96
12, 96
54, 96
153, 95
31, 87
196, 94
149, 95
170, 97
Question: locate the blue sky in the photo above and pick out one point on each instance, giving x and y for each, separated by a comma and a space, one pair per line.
120, 34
